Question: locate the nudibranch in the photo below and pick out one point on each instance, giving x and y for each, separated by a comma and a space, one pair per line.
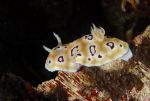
90, 50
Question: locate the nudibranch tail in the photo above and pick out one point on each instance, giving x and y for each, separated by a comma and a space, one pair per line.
47, 49
58, 38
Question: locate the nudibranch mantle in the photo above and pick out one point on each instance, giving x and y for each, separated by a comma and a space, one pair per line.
90, 50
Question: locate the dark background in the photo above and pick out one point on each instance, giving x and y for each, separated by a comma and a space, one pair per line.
26, 25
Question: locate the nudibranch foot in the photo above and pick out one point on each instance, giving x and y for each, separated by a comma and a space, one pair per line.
127, 55
74, 68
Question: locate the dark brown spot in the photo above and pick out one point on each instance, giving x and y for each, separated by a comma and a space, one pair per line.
61, 59
49, 61
89, 37
110, 44
89, 59
120, 45
74, 49
92, 49
56, 47
78, 54
99, 56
